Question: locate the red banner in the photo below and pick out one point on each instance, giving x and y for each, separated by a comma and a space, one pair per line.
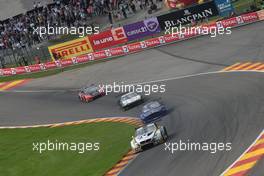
134, 47
50, 65
117, 51
99, 55
35, 68
81, 59
66, 62
108, 38
20, 70
8, 71
171, 38
250, 17
228, 22
152, 42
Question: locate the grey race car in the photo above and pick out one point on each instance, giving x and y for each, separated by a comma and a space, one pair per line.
130, 100
148, 135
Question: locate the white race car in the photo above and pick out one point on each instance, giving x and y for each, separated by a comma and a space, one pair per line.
129, 100
148, 135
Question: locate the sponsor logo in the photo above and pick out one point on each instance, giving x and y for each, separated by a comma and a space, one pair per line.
117, 51
27, 69
99, 54
152, 25
108, 38
108, 53
125, 49
143, 44
90, 57
13, 71
119, 34
239, 20
1, 72
188, 15
71, 49
187, 12
162, 40
142, 28
42, 66
58, 63
74, 60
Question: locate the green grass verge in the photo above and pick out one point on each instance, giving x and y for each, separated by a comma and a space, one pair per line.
17, 157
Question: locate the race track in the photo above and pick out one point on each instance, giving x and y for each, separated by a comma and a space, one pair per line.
216, 107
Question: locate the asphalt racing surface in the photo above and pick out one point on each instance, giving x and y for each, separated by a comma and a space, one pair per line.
216, 107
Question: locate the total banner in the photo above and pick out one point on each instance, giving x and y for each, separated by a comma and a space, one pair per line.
188, 15
70, 49
239, 20
142, 29
108, 38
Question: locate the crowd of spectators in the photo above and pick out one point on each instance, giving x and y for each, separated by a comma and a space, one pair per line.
18, 31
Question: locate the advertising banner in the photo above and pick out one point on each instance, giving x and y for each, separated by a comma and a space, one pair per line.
34, 68
250, 17
66, 62
152, 42
50, 65
81, 59
188, 15
108, 38
99, 55
134, 47
261, 14
117, 51
171, 38
20, 70
142, 29
231, 22
70, 49
8, 72
225, 7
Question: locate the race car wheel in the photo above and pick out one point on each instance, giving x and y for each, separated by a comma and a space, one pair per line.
164, 133
80, 98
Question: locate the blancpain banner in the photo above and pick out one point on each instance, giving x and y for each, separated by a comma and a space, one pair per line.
188, 15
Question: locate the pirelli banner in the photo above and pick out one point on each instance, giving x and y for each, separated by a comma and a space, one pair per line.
188, 15
70, 49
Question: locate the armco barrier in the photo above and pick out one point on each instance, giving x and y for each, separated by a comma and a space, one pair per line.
130, 48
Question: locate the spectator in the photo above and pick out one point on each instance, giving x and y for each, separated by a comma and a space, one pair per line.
37, 59
2, 62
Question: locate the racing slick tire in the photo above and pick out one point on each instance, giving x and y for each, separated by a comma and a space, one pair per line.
164, 134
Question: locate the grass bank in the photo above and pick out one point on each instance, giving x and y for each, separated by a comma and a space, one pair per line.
17, 157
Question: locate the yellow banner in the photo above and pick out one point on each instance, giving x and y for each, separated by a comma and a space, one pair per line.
71, 49
261, 14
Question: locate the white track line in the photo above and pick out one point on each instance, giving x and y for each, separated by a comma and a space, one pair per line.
134, 83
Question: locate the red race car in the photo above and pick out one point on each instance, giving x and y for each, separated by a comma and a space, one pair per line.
90, 93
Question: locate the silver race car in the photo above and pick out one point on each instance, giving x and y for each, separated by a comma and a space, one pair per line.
130, 100
148, 135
